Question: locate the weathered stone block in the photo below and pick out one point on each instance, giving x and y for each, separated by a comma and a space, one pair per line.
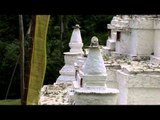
93, 96
138, 88
111, 44
91, 80
111, 81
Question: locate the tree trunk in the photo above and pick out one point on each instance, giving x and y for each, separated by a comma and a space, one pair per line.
62, 30
62, 26
21, 38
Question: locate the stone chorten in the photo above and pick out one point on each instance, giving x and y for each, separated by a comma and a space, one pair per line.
76, 40
94, 90
68, 70
94, 68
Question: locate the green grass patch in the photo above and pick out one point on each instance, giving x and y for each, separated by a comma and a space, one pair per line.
10, 102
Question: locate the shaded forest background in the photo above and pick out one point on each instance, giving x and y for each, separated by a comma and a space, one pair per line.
58, 37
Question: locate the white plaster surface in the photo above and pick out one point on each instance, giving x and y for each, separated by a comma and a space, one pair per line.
95, 99
80, 61
141, 42
157, 23
119, 23
76, 47
96, 90
146, 96
76, 36
93, 80
65, 78
67, 70
122, 46
157, 43
94, 69
111, 44
138, 88
94, 64
116, 21
133, 43
67, 73
141, 22
70, 57
111, 81
96, 96
142, 35
131, 76
76, 41
155, 60
113, 35
138, 81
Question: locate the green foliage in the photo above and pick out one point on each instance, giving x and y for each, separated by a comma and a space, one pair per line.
10, 102
54, 60
9, 49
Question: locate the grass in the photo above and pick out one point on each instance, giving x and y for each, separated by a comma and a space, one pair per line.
10, 102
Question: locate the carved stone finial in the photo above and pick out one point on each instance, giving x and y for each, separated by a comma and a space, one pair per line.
76, 40
76, 26
94, 42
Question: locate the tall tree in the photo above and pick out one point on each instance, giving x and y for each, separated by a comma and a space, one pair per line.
62, 26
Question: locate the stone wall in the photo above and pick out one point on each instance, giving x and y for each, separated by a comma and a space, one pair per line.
122, 46
96, 99
138, 88
111, 81
141, 42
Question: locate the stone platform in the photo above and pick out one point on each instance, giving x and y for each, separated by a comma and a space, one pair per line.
96, 96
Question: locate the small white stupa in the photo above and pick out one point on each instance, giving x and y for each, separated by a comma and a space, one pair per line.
93, 90
68, 70
76, 40
94, 68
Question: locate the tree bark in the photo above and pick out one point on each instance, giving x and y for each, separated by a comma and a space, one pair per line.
21, 38
62, 26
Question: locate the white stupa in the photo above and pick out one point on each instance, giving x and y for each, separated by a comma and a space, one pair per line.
94, 68
76, 40
68, 70
94, 90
